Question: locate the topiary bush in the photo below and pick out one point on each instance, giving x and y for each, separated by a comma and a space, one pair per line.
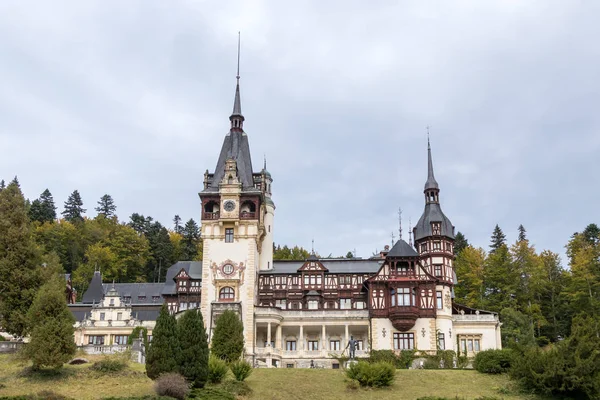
217, 369
379, 374
493, 361
172, 384
109, 365
241, 370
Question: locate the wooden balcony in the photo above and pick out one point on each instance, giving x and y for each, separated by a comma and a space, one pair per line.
210, 215
403, 317
247, 215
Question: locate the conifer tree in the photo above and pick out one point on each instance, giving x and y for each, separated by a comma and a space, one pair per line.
522, 234
191, 239
228, 337
193, 363
163, 352
177, 223
498, 239
19, 261
460, 242
51, 324
2, 184
43, 209
106, 206
74, 208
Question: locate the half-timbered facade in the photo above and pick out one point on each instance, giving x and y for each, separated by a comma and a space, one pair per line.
295, 312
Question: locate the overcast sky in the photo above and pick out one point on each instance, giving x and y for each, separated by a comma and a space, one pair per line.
132, 98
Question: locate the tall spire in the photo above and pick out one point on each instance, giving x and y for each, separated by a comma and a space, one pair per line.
431, 182
236, 117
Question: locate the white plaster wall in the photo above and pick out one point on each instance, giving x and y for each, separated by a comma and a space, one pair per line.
381, 342
488, 332
266, 255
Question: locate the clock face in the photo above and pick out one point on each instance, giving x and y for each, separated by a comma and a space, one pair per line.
229, 205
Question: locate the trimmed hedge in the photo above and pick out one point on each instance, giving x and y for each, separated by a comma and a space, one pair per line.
493, 361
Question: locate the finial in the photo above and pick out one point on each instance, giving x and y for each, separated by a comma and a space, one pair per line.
409, 231
400, 222
313, 246
265, 166
392, 238
238, 63
113, 283
428, 136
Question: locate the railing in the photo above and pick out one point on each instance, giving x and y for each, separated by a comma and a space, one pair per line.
475, 317
10, 347
261, 351
102, 349
210, 215
310, 314
247, 215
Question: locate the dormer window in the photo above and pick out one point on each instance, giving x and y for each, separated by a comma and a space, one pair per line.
436, 228
112, 303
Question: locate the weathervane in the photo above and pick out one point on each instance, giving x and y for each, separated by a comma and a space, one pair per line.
238, 63
400, 222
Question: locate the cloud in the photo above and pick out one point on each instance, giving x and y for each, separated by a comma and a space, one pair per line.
133, 98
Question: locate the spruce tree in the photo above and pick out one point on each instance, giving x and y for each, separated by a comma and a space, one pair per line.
51, 324
43, 209
498, 239
460, 242
193, 363
139, 223
191, 239
522, 234
74, 208
163, 353
228, 337
177, 223
19, 261
2, 184
106, 206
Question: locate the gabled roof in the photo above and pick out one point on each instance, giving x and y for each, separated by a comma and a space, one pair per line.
192, 268
312, 264
402, 249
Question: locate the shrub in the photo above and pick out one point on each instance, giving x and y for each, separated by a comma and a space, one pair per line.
135, 334
211, 393
241, 370
405, 359
352, 384
109, 364
431, 363
377, 374
217, 369
387, 356
2, 338
172, 384
493, 361
237, 388
228, 337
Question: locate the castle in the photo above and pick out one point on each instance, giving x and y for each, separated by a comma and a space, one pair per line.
298, 312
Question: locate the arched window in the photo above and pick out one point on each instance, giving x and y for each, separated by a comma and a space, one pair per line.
226, 294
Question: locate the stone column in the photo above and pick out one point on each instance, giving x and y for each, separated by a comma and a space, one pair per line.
323, 338
346, 337
301, 339
278, 343
268, 335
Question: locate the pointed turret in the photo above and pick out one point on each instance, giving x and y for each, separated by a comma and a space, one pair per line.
236, 118
431, 182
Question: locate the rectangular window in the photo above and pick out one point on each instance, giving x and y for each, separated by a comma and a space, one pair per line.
438, 300
313, 345
437, 270
403, 297
360, 345
334, 345
359, 305
119, 316
441, 341
228, 235
97, 340
424, 248
306, 280
477, 347
335, 366
290, 345
437, 246
313, 305
121, 339
112, 303
289, 365
463, 345
149, 338
470, 345
280, 303
404, 341
345, 304
102, 315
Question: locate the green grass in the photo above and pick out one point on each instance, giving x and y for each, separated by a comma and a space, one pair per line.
292, 384
80, 382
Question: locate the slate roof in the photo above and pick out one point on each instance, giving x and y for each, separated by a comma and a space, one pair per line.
431, 183
192, 268
134, 290
94, 292
433, 213
335, 266
402, 249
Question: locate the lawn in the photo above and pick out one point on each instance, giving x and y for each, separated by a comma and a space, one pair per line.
79, 382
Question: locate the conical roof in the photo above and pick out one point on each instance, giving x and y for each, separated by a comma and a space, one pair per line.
402, 249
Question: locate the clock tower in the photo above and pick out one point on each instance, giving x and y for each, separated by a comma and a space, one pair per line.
237, 229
